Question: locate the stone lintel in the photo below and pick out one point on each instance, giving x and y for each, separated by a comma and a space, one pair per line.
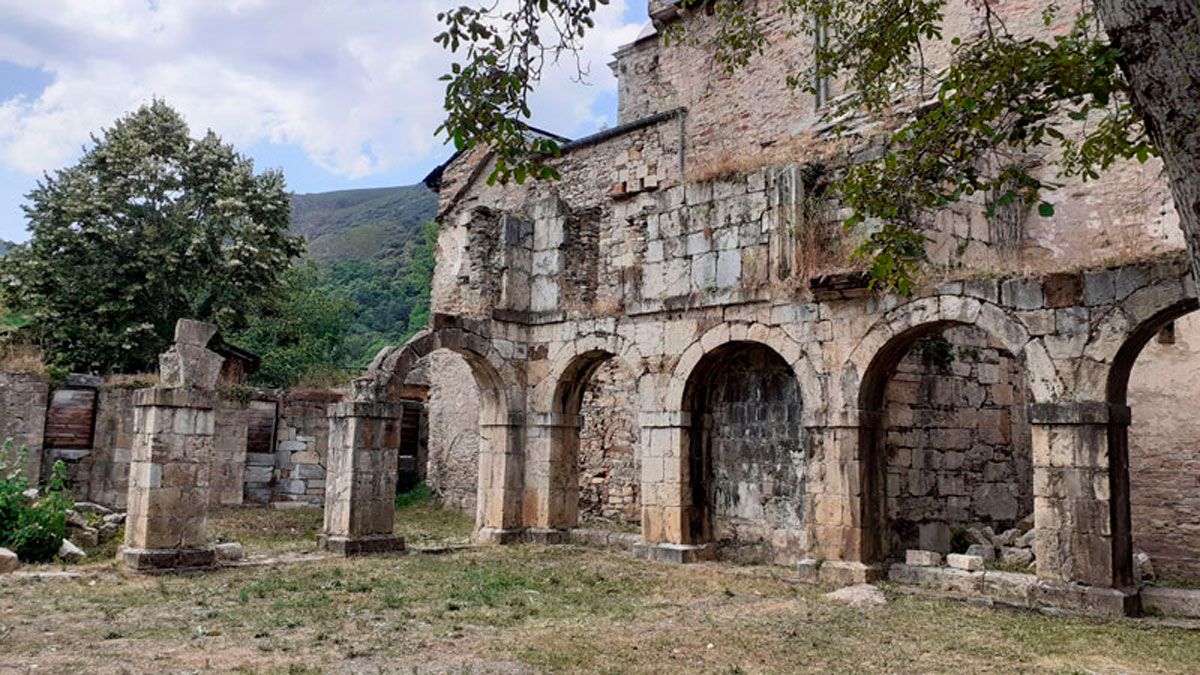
1078, 413
174, 397
161, 561
354, 546
546, 535
676, 554
365, 409
496, 535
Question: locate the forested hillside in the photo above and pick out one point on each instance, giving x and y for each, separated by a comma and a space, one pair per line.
373, 248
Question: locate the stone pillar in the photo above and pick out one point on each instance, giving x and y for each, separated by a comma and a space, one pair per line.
360, 488
169, 480
172, 457
673, 527
501, 478
1081, 561
846, 498
551, 504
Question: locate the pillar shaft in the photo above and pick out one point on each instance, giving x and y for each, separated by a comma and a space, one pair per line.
501, 480
552, 472
1073, 493
360, 490
169, 480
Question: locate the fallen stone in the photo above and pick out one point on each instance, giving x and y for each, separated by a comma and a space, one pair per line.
192, 332
229, 551
71, 552
109, 531
1025, 524
92, 507
1016, 556
862, 595
31, 493
1008, 538
8, 561
985, 551
118, 518
1143, 568
1026, 540
1175, 602
76, 519
970, 563
87, 536
916, 558
977, 537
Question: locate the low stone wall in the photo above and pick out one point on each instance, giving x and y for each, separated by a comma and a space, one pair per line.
23, 401
302, 446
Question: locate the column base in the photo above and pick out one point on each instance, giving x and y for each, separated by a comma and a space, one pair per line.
163, 560
353, 546
678, 554
495, 535
839, 572
546, 535
1090, 600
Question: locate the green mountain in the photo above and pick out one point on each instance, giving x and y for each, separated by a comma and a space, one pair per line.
374, 248
4, 246
379, 224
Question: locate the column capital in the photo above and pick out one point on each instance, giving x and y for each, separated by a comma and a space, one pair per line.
1078, 412
174, 397
365, 409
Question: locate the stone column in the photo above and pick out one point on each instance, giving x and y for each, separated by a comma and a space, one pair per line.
501, 478
551, 505
1073, 506
846, 497
671, 518
360, 488
172, 457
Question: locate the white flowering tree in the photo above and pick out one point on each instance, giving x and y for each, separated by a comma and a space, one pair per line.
150, 225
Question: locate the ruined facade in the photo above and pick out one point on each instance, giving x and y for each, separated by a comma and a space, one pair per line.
785, 414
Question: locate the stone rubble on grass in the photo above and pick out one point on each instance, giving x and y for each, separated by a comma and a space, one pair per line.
985, 551
1016, 556
92, 507
916, 558
862, 595
71, 552
8, 561
229, 551
1143, 568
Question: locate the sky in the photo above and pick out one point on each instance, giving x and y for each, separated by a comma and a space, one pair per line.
339, 94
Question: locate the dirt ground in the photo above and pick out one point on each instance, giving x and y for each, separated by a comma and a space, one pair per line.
524, 609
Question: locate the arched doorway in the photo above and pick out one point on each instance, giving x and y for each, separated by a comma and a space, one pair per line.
747, 455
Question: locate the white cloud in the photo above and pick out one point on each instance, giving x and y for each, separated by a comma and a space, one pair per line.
353, 84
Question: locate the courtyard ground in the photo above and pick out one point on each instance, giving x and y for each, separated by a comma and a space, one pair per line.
525, 609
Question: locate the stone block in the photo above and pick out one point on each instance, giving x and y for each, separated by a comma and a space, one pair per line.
228, 551
985, 551
1173, 602
917, 558
970, 563
1016, 556
8, 561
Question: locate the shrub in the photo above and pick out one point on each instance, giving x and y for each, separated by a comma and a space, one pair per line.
32, 527
418, 495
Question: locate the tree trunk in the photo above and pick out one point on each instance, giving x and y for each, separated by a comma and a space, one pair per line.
1160, 44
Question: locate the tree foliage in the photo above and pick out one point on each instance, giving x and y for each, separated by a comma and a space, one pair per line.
963, 129
150, 225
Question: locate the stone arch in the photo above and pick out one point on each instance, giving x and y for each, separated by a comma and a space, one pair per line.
741, 488
772, 337
555, 438
501, 453
865, 378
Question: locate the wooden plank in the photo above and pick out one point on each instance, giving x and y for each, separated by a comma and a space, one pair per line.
70, 419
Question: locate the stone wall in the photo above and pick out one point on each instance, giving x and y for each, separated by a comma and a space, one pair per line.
113, 446
1164, 451
23, 401
453, 466
609, 450
958, 441
302, 446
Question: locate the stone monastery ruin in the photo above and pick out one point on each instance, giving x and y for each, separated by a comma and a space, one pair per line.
673, 337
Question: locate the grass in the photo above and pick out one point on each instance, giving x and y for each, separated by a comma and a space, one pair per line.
531, 608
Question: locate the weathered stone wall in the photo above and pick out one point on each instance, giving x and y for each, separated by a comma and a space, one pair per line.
751, 450
227, 477
609, 449
302, 446
453, 465
958, 441
113, 446
1164, 451
23, 401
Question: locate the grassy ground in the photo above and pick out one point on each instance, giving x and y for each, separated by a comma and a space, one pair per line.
526, 609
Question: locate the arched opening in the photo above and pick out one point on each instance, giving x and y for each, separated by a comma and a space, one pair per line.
598, 455
1153, 457
947, 446
451, 455
747, 455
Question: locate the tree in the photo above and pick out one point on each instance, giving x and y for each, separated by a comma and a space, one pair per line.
302, 336
150, 225
1130, 69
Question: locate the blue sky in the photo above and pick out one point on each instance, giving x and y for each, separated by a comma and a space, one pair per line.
339, 95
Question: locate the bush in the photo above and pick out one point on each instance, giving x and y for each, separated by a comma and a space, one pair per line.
32, 527
418, 495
